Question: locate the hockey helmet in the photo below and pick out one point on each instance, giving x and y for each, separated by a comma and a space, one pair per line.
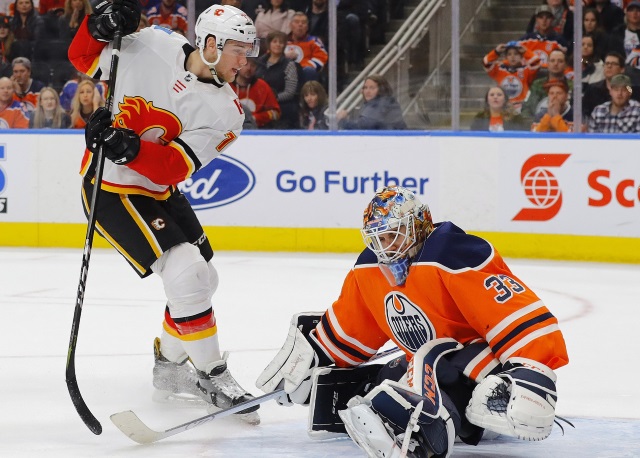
226, 22
395, 226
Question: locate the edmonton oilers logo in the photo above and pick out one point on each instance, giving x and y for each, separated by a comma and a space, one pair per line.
223, 181
408, 323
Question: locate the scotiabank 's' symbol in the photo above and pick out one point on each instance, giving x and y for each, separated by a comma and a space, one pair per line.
541, 187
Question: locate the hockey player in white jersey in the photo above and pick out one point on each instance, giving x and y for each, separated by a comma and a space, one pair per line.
173, 113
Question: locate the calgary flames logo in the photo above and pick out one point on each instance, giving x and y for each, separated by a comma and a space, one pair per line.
141, 116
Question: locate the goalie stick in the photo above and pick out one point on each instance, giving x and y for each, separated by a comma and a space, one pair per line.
131, 425
70, 373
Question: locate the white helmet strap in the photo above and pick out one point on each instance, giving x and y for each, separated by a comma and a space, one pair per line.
212, 65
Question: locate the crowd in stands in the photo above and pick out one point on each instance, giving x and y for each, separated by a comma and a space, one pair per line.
286, 86
536, 79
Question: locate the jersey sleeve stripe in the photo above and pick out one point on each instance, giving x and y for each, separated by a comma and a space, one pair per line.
335, 324
520, 329
509, 320
196, 164
529, 338
346, 348
335, 353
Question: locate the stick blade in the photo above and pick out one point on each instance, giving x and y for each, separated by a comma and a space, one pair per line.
129, 423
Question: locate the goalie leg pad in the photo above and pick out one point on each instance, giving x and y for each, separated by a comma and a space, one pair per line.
331, 389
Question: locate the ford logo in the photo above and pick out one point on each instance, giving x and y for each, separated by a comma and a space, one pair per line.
223, 181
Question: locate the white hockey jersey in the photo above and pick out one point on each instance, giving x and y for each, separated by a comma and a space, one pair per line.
184, 122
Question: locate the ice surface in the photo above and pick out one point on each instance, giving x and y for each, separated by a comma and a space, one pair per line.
597, 305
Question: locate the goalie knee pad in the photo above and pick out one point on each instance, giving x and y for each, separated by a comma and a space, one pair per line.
518, 402
414, 412
187, 280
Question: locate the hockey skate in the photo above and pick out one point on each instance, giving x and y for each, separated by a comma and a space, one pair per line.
221, 391
175, 382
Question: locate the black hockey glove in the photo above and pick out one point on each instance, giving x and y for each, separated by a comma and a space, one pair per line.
106, 17
119, 145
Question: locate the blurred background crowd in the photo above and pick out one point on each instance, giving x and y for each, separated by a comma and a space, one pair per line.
391, 65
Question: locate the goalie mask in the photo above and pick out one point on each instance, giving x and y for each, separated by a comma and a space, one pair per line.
395, 226
225, 22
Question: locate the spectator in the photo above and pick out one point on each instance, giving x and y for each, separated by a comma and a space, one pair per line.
86, 100
313, 105
282, 75
498, 114
543, 39
557, 68
558, 115
353, 20
592, 65
625, 37
6, 7
6, 42
27, 27
380, 110
54, 7
598, 93
70, 87
256, 94
611, 15
515, 73
562, 22
48, 113
26, 88
11, 115
253, 7
74, 13
305, 49
170, 15
591, 26
275, 18
619, 116
318, 15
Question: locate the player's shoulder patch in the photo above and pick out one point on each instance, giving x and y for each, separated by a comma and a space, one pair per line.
162, 29
454, 249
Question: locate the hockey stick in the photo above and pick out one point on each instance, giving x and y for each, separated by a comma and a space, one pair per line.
129, 423
72, 384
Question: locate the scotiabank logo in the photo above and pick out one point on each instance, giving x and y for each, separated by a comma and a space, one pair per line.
626, 192
541, 187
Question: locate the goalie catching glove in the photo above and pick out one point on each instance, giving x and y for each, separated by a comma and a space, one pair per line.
518, 402
107, 16
119, 145
292, 366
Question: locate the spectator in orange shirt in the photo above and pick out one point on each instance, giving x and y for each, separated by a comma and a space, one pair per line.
558, 116
515, 73
26, 88
306, 49
11, 115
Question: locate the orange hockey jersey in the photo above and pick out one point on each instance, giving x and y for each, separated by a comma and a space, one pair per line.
514, 81
458, 287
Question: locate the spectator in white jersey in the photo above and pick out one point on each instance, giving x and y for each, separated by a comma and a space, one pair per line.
163, 132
